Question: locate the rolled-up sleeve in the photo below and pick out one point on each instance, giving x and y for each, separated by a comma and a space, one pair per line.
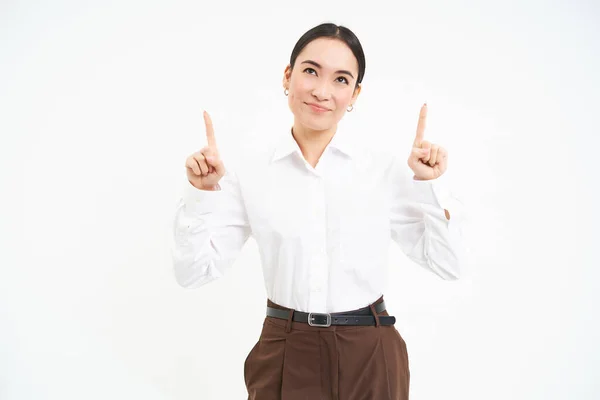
209, 231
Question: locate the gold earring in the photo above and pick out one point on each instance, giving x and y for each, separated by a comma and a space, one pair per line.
286, 92
349, 109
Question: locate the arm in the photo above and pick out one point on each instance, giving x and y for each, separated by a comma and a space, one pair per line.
210, 229
426, 221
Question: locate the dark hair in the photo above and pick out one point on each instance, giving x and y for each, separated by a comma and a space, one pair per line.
337, 32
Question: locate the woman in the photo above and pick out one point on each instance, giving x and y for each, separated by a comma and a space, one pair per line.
322, 211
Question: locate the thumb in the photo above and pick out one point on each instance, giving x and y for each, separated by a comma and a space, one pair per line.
418, 153
217, 164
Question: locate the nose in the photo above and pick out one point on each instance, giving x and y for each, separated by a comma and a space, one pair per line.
321, 91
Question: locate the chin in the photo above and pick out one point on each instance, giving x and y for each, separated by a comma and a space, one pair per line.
316, 123
316, 126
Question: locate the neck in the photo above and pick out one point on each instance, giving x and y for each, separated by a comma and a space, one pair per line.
312, 142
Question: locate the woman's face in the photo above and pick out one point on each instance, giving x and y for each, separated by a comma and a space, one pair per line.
322, 84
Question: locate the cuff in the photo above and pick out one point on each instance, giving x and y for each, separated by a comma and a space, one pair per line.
434, 191
203, 201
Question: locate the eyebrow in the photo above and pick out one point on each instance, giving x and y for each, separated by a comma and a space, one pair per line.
316, 64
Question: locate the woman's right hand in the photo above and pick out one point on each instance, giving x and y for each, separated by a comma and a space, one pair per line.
205, 168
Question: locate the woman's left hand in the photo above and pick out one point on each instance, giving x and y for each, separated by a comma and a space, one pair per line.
427, 160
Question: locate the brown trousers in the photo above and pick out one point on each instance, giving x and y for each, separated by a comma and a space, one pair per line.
295, 361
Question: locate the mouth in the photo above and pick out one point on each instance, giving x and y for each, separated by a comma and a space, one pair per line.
317, 108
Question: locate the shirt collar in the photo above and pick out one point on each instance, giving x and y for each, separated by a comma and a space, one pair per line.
288, 145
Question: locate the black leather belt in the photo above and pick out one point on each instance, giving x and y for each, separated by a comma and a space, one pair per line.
362, 316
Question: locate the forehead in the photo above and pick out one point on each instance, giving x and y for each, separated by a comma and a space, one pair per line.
330, 53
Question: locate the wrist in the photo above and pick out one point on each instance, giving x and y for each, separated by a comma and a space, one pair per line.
416, 178
213, 188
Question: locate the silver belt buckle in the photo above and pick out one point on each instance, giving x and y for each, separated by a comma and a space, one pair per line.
319, 317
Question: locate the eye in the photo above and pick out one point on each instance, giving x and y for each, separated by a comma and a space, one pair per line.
310, 69
344, 79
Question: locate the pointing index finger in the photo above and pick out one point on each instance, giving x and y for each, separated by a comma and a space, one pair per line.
421, 125
210, 132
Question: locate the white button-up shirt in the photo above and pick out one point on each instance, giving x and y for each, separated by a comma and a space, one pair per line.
323, 233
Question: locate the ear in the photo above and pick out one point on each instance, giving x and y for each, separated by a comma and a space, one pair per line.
356, 93
287, 76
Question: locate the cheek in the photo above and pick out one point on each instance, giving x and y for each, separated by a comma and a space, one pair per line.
292, 98
299, 91
342, 99
301, 86
345, 97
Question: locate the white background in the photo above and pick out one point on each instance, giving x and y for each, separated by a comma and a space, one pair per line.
100, 104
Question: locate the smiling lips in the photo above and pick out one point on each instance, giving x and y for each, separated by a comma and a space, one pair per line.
317, 108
